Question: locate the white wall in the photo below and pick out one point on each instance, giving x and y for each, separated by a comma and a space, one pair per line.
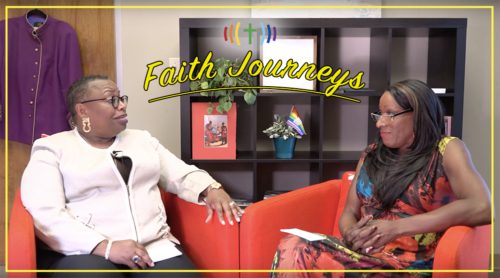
147, 35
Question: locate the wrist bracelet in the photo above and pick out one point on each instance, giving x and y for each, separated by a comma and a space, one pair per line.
108, 249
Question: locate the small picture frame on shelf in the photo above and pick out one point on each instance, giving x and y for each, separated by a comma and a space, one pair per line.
213, 135
300, 49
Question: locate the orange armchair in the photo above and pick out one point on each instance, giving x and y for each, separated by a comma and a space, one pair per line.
463, 247
210, 246
21, 244
313, 208
317, 208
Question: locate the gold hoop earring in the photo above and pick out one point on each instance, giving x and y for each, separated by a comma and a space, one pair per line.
86, 125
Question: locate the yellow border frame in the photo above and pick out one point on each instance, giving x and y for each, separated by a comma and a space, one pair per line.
492, 77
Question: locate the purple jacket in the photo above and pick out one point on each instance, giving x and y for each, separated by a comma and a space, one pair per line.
43, 63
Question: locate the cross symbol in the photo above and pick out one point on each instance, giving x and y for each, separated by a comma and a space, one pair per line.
250, 30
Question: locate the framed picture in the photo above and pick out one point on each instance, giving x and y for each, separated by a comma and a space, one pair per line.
213, 135
301, 49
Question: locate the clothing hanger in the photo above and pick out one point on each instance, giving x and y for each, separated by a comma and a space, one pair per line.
36, 17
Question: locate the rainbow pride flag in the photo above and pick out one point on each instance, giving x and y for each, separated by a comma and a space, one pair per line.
295, 122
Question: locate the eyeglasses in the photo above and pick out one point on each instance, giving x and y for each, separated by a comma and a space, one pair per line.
114, 100
378, 115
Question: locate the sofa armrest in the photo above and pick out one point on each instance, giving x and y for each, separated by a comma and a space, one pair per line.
347, 178
312, 208
22, 248
463, 247
209, 245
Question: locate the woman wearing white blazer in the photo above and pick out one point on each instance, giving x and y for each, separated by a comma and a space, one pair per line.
93, 191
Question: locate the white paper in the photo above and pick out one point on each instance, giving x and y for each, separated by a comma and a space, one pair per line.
162, 250
439, 90
304, 234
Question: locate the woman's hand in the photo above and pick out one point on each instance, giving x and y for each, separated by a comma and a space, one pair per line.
387, 231
126, 252
359, 233
219, 200
381, 231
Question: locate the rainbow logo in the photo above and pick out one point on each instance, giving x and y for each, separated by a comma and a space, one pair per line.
231, 34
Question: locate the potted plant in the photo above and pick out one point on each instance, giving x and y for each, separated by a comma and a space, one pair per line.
222, 80
284, 137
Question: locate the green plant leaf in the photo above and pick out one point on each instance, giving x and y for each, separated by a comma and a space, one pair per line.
223, 80
219, 93
210, 109
194, 85
242, 82
221, 72
226, 106
280, 128
223, 99
231, 81
220, 75
249, 98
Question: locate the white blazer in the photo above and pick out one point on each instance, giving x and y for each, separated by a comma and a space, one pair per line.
78, 198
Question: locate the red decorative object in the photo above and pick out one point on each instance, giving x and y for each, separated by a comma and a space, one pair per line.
213, 135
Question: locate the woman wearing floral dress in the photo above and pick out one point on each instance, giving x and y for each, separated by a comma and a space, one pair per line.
410, 186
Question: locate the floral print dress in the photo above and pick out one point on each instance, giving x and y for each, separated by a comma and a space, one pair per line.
405, 253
